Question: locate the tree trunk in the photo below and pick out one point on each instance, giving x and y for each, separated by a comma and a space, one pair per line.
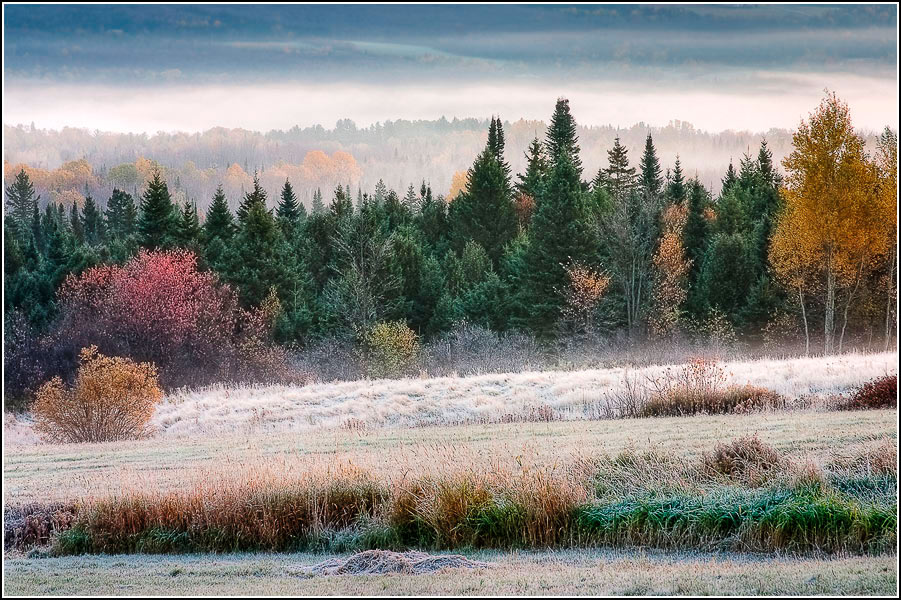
804, 315
888, 301
851, 293
829, 321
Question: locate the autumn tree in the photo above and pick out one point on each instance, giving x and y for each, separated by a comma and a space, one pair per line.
887, 207
830, 202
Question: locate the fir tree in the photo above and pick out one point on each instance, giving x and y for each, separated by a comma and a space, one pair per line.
76, 224
675, 190
560, 233
531, 181
381, 192
318, 207
219, 222
561, 137
189, 232
618, 178
121, 214
20, 200
256, 196
93, 222
288, 210
158, 218
649, 181
729, 180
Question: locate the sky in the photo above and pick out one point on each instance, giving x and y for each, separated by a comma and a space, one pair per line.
192, 67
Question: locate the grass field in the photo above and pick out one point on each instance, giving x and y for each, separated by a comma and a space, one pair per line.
209, 455
586, 572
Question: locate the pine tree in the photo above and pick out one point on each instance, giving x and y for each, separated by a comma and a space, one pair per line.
484, 212
158, 218
121, 214
618, 178
536, 171
318, 207
649, 181
729, 180
76, 225
560, 233
256, 196
675, 190
561, 137
288, 210
94, 232
189, 233
219, 222
20, 200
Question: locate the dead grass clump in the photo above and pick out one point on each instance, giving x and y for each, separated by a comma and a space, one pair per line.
878, 459
875, 394
747, 459
34, 525
383, 562
681, 401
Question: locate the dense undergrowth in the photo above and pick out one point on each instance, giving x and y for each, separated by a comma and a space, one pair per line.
742, 496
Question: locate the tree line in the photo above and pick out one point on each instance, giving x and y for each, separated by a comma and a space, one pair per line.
631, 250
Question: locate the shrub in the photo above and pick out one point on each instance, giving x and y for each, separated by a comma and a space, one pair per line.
391, 349
878, 393
699, 388
744, 458
112, 399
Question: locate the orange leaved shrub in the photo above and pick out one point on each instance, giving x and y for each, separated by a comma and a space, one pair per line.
112, 399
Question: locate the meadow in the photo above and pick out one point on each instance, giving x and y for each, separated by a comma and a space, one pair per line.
575, 500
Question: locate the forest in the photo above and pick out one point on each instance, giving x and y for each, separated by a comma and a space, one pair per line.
800, 255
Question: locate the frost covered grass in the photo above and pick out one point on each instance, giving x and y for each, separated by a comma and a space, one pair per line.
494, 398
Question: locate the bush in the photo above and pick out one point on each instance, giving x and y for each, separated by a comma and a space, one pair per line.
112, 399
746, 457
699, 388
391, 349
878, 393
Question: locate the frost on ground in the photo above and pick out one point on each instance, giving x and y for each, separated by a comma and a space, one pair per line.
383, 562
561, 395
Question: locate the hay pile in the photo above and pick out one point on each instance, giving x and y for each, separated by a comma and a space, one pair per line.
381, 562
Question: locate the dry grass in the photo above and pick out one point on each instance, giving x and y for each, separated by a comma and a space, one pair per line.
47, 473
569, 572
481, 399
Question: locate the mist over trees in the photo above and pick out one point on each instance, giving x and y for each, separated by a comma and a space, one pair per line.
64, 164
631, 251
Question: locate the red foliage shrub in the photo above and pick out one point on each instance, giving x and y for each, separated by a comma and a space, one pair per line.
159, 308
878, 393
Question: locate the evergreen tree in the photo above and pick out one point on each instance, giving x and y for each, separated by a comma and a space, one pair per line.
288, 210
649, 181
121, 214
318, 207
256, 196
694, 241
76, 224
381, 192
496, 144
561, 137
94, 232
411, 201
20, 200
341, 207
676, 188
158, 219
729, 180
536, 171
188, 233
618, 178
484, 212
560, 234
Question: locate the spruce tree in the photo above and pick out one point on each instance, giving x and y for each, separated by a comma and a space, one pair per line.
219, 222
188, 233
76, 224
256, 196
317, 207
93, 222
484, 212
121, 214
561, 233
20, 201
158, 219
411, 201
531, 181
288, 210
694, 241
729, 180
649, 181
676, 191
561, 137
618, 178
381, 192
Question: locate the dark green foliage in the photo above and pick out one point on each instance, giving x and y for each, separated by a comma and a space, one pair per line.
695, 237
484, 211
94, 227
676, 190
289, 212
726, 274
562, 140
158, 221
255, 197
121, 215
188, 233
650, 183
560, 233
531, 181
20, 200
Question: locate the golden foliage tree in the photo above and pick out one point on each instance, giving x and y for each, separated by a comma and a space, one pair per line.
671, 267
887, 205
584, 290
112, 399
829, 208
459, 183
